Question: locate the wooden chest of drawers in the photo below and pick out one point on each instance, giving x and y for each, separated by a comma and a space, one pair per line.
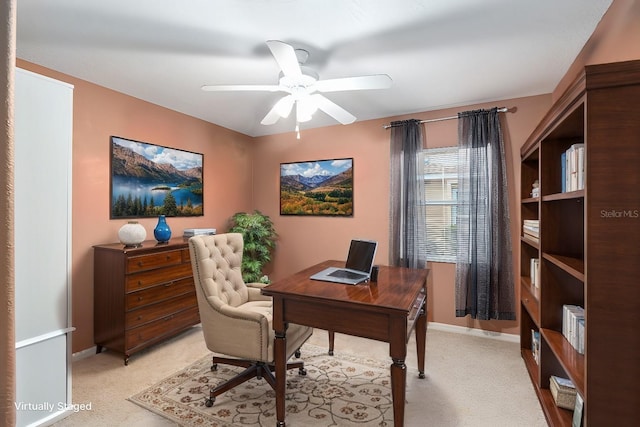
142, 295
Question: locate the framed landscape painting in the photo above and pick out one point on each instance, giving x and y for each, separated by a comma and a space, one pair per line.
319, 187
148, 180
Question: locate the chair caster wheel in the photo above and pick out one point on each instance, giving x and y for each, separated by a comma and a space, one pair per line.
421, 375
214, 367
302, 372
297, 354
209, 402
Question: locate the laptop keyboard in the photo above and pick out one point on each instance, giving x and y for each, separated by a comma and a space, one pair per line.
346, 274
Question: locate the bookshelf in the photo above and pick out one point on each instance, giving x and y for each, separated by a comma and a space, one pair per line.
588, 246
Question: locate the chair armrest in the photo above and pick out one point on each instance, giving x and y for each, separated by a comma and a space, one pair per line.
256, 285
236, 314
254, 292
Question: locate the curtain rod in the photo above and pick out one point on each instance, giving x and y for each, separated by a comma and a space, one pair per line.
500, 110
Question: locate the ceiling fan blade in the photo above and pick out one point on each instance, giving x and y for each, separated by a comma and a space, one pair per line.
333, 109
237, 88
286, 57
282, 108
376, 81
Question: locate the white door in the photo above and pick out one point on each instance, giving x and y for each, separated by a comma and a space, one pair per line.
43, 126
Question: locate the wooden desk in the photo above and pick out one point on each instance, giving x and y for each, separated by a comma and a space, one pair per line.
384, 311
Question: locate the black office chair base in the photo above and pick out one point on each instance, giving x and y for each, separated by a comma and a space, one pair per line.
253, 369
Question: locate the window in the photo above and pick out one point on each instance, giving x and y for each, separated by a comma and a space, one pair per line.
441, 196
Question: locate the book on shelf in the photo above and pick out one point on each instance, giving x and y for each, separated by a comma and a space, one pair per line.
531, 228
563, 171
534, 270
572, 164
573, 326
578, 418
535, 345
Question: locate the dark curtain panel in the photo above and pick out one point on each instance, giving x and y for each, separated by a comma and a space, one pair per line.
407, 208
484, 271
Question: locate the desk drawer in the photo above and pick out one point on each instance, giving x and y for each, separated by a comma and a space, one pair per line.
157, 330
150, 313
150, 261
159, 293
160, 275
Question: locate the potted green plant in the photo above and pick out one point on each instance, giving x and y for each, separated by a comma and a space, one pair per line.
259, 238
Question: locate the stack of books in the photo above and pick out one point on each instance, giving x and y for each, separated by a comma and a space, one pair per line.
572, 168
189, 232
573, 326
531, 229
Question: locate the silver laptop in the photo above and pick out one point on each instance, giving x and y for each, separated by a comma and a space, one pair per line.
358, 266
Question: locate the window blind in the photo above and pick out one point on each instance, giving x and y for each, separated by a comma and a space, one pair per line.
441, 193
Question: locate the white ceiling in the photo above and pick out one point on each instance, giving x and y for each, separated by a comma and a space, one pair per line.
439, 53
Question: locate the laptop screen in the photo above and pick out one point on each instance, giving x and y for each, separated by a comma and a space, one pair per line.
361, 254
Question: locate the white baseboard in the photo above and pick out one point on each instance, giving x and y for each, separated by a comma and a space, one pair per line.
83, 354
474, 332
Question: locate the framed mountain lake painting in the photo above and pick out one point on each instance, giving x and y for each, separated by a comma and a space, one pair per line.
319, 187
148, 180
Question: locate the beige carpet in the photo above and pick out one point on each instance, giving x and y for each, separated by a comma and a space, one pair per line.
471, 381
340, 390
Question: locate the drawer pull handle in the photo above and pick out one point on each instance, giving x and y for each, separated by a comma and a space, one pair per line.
526, 300
166, 285
139, 317
139, 298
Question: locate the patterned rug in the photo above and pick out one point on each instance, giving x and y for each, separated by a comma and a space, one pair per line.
338, 390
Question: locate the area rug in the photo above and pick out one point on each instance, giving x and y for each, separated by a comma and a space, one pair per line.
339, 390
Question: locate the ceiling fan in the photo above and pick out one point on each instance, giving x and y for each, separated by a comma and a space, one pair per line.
303, 87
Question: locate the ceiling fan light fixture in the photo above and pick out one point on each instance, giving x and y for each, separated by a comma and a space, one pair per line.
284, 106
305, 107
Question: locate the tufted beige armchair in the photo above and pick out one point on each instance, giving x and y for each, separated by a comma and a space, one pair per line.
236, 318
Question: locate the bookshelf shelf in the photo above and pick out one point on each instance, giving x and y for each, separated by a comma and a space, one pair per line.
572, 362
568, 195
573, 266
529, 241
531, 365
530, 297
587, 245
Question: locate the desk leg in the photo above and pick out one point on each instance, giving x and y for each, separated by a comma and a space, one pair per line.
332, 336
398, 390
421, 338
279, 350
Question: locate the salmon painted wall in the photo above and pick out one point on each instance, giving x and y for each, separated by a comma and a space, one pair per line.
307, 240
99, 113
304, 241
233, 183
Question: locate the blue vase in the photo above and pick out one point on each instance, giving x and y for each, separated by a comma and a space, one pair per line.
162, 232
